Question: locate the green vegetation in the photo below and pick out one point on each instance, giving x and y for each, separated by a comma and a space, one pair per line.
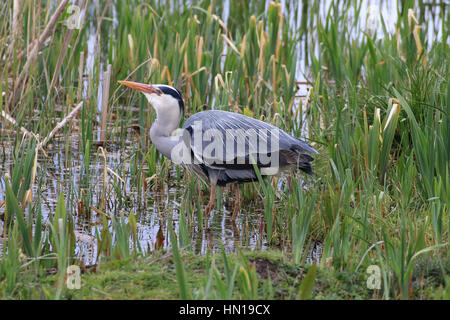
377, 111
221, 276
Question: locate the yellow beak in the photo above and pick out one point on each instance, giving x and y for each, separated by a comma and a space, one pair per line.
146, 88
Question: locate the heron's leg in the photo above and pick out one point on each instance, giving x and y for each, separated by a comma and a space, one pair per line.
237, 202
212, 197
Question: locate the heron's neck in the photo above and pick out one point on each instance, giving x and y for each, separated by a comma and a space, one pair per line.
161, 131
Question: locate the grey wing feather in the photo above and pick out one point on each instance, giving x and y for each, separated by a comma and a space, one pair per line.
231, 136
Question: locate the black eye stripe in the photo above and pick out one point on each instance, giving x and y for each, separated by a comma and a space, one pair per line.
174, 93
171, 91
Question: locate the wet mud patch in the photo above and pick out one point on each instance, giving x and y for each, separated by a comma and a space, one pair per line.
264, 267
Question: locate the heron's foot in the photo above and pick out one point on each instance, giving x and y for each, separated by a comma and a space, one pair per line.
208, 209
212, 197
235, 212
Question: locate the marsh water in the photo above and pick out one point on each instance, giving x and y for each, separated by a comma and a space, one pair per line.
61, 170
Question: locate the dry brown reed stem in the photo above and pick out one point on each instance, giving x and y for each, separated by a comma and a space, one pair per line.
18, 84
105, 97
41, 144
280, 30
10, 119
62, 55
61, 124
101, 212
306, 101
15, 25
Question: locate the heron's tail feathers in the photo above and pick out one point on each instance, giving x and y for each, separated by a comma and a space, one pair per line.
304, 163
303, 146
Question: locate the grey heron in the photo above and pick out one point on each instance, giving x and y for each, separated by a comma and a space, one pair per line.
221, 147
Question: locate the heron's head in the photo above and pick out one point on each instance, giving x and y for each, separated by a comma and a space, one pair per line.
165, 99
